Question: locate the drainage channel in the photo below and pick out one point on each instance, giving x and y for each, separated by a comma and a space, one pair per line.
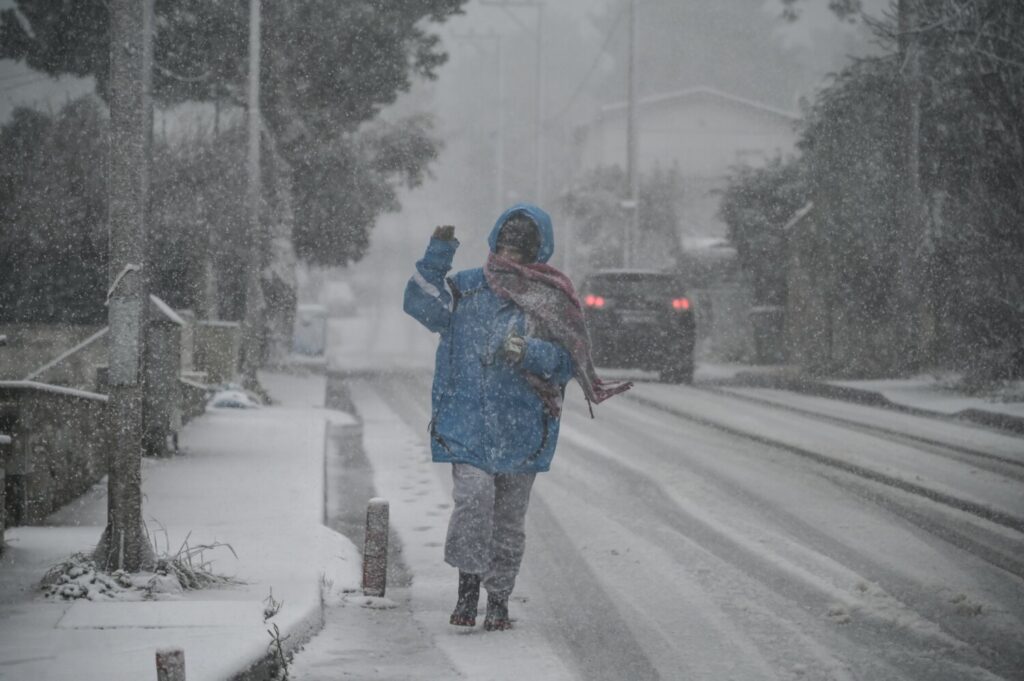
349, 484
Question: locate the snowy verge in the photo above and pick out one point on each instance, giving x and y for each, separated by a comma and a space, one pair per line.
253, 479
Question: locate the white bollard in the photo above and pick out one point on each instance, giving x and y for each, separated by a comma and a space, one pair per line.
375, 548
170, 664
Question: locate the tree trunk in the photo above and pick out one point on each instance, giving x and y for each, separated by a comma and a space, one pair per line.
124, 544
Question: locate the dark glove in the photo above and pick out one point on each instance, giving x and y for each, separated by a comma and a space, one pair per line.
514, 348
444, 232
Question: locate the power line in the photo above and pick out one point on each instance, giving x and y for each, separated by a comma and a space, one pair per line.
593, 67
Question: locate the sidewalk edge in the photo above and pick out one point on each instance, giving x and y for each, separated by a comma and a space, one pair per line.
266, 667
872, 398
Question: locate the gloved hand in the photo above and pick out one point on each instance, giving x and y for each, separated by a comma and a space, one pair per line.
514, 348
444, 232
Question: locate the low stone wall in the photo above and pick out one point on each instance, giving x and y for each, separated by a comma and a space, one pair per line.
31, 347
194, 396
59, 439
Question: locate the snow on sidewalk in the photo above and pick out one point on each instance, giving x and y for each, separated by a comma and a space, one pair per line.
419, 509
253, 479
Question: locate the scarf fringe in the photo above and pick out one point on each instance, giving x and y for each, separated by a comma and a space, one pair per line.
548, 296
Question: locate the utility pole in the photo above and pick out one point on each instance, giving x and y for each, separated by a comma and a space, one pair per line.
210, 297
538, 83
632, 236
913, 288
255, 305
124, 544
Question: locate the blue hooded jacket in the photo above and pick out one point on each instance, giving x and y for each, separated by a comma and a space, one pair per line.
485, 413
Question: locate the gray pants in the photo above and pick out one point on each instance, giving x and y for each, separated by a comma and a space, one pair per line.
486, 533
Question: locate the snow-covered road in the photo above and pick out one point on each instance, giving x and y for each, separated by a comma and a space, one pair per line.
711, 534
691, 533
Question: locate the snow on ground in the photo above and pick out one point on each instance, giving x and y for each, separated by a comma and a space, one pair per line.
953, 433
662, 546
424, 645
737, 516
404, 472
895, 460
253, 479
929, 394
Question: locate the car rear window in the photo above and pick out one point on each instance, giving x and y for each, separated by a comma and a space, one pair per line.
635, 285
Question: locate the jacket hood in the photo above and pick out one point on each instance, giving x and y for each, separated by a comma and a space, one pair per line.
543, 220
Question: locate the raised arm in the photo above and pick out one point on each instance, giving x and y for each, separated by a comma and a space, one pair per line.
426, 298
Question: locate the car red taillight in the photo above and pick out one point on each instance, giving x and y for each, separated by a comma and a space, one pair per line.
681, 304
593, 301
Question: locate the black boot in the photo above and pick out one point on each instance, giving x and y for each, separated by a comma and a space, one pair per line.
464, 614
497, 618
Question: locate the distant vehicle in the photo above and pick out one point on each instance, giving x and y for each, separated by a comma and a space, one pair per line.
640, 319
233, 398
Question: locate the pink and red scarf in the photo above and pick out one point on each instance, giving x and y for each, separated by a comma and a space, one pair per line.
547, 296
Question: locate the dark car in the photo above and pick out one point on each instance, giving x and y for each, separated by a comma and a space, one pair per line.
640, 320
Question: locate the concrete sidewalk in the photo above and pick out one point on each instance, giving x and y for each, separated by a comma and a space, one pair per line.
252, 479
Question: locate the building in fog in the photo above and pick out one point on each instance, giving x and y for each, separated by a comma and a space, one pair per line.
703, 134
700, 131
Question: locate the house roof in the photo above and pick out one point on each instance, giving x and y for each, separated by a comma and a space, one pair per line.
707, 92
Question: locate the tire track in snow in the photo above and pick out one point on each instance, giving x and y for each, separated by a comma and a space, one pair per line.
981, 510
988, 543
913, 662
995, 463
889, 612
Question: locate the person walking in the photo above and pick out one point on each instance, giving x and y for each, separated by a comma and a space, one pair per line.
512, 335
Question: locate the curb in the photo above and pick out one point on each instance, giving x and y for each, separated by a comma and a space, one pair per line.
266, 668
1014, 424
992, 419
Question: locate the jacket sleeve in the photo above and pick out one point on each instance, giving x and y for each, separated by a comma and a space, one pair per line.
548, 360
426, 298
